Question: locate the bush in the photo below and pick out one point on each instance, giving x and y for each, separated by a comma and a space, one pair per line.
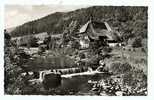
33, 42
41, 50
143, 50
119, 68
137, 43
51, 81
75, 45
12, 79
135, 78
82, 55
107, 49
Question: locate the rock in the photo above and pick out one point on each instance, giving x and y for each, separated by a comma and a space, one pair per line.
94, 89
119, 93
51, 80
103, 94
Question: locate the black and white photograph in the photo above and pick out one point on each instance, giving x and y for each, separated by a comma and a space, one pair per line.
75, 50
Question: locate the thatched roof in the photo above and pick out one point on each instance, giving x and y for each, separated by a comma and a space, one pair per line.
84, 27
95, 29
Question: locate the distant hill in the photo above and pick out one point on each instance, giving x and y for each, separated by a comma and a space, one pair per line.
129, 21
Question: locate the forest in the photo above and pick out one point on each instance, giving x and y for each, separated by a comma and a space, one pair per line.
129, 21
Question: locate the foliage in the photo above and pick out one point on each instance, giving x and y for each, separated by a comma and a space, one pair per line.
129, 21
82, 55
114, 87
48, 41
135, 78
13, 81
120, 68
75, 45
33, 41
107, 49
41, 50
137, 43
127, 80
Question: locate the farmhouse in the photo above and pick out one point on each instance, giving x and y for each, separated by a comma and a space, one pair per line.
98, 31
84, 42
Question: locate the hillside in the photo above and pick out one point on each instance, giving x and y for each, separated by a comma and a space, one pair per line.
129, 21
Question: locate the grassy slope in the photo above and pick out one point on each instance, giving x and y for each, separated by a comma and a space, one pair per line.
136, 58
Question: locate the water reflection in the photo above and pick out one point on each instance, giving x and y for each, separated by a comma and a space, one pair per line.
71, 85
77, 84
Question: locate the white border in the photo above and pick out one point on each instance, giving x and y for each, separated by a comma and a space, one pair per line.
80, 2
148, 3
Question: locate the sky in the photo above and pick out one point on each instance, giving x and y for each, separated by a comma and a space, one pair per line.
19, 14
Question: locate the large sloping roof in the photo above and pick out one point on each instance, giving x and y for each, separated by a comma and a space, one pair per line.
96, 25
98, 29
84, 27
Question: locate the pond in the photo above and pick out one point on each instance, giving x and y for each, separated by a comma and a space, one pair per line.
75, 85
78, 85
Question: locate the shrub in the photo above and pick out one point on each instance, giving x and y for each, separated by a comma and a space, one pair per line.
114, 66
82, 55
12, 79
75, 45
41, 49
33, 42
135, 78
119, 68
137, 43
143, 49
107, 49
